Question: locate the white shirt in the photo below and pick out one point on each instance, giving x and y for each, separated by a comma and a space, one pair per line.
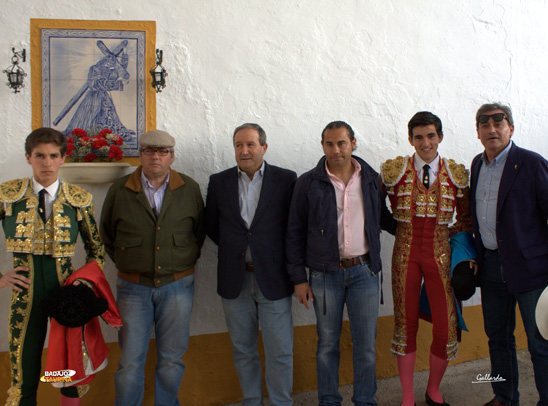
434, 167
155, 197
249, 192
51, 193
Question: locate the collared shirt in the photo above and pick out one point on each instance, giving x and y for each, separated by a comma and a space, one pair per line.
51, 193
487, 191
434, 167
249, 191
350, 214
155, 196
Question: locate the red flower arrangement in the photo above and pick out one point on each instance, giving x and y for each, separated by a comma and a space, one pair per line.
94, 145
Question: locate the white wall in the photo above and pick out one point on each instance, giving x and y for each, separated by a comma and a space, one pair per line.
293, 66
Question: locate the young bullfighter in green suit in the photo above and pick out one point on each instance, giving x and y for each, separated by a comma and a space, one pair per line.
42, 218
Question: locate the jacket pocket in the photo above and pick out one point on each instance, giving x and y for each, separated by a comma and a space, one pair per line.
317, 243
185, 251
129, 255
123, 242
183, 239
535, 251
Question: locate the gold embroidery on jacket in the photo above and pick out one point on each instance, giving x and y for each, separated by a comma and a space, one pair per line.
410, 198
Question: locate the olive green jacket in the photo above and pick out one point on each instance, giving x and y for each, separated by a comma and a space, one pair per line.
148, 250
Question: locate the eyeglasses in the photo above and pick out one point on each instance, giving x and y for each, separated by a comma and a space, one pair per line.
151, 151
497, 117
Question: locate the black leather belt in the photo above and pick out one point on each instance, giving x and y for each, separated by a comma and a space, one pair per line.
348, 262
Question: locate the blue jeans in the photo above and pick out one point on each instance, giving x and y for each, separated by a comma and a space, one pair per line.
243, 315
167, 309
499, 314
358, 287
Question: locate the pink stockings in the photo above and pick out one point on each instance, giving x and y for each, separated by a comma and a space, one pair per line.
66, 401
406, 368
437, 369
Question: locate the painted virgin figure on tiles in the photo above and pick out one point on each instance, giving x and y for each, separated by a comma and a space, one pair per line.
94, 79
97, 107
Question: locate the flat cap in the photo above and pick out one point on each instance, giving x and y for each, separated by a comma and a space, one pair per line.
157, 138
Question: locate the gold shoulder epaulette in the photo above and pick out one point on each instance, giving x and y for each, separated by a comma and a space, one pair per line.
77, 196
13, 190
393, 170
457, 173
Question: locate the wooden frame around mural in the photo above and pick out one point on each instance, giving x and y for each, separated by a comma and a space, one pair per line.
70, 57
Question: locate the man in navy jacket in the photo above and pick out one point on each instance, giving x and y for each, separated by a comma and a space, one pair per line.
336, 215
246, 216
509, 207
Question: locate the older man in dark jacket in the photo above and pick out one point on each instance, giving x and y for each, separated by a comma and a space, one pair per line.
509, 207
246, 216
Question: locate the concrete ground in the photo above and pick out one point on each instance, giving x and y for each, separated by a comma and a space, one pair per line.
457, 386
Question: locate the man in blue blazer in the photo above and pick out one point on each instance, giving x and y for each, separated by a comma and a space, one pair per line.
246, 216
509, 207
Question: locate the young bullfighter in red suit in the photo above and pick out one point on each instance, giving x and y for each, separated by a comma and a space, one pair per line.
424, 191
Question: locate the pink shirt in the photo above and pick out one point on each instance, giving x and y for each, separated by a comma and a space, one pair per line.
350, 214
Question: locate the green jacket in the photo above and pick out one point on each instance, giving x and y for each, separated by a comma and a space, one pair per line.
72, 214
149, 251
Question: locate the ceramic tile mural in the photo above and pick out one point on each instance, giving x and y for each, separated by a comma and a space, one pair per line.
94, 78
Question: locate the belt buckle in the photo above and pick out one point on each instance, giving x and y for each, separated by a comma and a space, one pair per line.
347, 262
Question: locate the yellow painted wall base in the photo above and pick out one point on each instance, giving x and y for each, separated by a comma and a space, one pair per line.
210, 378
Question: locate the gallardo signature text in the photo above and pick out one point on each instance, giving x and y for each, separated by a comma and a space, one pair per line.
488, 378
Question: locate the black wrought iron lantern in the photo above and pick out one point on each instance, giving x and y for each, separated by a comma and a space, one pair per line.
158, 72
15, 72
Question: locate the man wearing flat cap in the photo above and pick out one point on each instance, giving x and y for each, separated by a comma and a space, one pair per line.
152, 228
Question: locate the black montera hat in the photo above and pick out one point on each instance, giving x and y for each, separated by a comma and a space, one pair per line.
74, 305
463, 281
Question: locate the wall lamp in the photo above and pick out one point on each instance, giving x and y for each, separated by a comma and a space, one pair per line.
158, 72
14, 72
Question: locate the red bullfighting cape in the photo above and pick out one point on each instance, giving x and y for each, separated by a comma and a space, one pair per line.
82, 349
